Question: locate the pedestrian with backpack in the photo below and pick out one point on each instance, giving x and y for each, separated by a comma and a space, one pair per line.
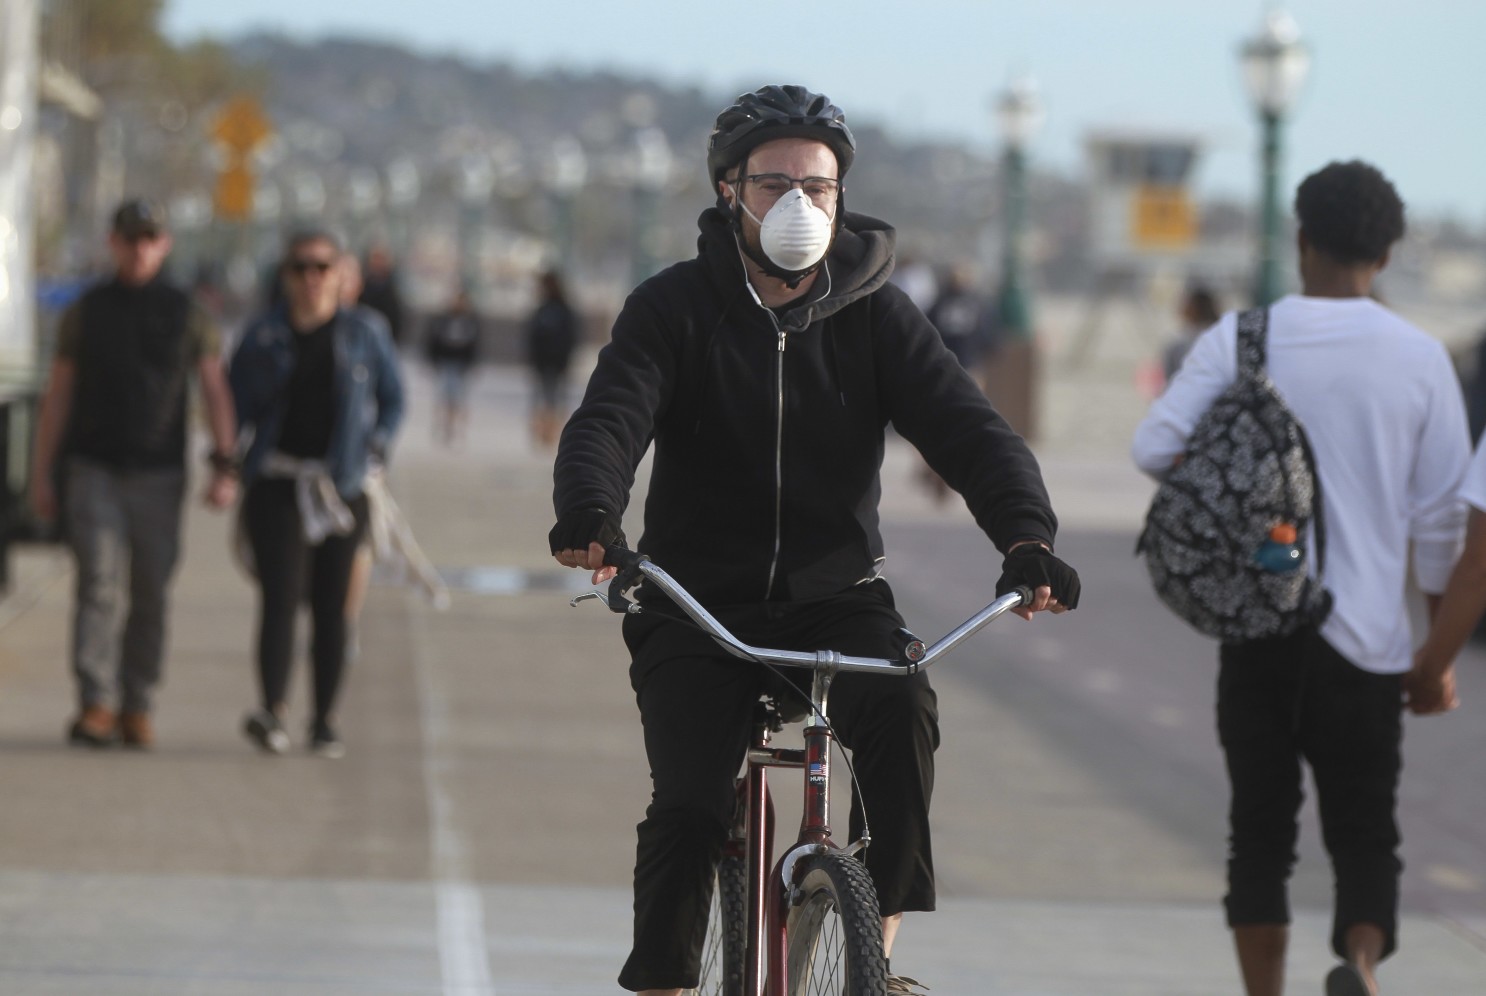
1372, 470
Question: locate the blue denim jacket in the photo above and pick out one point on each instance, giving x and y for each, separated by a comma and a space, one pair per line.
368, 392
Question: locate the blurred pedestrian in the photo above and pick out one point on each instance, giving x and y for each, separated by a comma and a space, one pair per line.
551, 337
382, 292
1198, 312
960, 315
915, 278
1474, 386
452, 346
1381, 407
352, 282
319, 397
359, 584
113, 421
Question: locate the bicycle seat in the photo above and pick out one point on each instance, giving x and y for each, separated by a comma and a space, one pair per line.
777, 707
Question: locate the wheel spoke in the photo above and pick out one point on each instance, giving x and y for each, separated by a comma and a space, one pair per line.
828, 961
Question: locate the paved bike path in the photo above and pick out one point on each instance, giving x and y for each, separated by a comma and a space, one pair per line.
478, 837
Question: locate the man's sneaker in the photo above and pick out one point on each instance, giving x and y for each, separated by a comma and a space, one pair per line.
136, 730
265, 730
902, 985
94, 727
324, 742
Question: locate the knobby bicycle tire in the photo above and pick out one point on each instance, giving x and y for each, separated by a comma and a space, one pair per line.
834, 933
724, 949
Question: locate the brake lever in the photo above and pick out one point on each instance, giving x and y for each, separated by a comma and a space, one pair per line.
629, 575
623, 582
613, 599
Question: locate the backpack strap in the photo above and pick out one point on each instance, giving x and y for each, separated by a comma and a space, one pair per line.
1253, 327
1318, 503
1253, 333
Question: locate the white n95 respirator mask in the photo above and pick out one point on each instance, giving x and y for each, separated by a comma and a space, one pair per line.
794, 233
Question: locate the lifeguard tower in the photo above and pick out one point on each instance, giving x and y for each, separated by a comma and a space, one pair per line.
1143, 223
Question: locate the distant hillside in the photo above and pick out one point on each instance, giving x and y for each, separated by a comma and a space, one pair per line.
385, 103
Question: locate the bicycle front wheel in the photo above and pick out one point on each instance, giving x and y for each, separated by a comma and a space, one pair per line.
724, 950
834, 934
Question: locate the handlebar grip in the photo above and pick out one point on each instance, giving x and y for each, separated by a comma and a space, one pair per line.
1026, 593
622, 557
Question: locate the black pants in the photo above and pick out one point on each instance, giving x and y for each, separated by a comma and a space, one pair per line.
286, 562
1294, 699
696, 703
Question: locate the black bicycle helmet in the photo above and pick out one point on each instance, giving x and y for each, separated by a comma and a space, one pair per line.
777, 112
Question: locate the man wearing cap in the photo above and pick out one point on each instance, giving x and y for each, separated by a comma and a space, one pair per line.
765, 371
112, 433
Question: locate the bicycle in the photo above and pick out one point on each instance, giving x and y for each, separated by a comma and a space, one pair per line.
811, 926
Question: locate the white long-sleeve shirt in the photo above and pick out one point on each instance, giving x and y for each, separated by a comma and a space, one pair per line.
1382, 407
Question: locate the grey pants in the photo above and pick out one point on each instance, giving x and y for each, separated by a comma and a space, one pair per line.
125, 531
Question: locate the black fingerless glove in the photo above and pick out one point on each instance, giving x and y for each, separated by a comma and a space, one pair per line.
1034, 566
576, 529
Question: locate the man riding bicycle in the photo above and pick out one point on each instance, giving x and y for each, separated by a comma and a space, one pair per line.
765, 371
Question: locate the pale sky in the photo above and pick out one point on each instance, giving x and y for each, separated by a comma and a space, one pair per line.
1402, 85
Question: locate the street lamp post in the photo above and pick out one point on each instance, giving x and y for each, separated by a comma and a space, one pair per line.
651, 169
567, 172
1020, 113
1011, 377
403, 185
473, 183
1275, 62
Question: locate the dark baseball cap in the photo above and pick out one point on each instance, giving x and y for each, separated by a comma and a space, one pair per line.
139, 217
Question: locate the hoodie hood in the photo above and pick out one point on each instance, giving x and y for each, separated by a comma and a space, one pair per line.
860, 261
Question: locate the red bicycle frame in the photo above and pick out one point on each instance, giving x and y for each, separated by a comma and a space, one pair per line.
768, 883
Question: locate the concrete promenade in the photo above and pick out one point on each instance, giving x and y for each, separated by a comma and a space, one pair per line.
478, 837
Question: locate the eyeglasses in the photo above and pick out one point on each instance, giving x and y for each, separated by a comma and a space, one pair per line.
821, 190
300, 267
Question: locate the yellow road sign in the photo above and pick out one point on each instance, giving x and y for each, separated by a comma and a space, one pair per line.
241, 125
234, 195
1162, 218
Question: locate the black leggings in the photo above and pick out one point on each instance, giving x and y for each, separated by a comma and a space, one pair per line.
284, 561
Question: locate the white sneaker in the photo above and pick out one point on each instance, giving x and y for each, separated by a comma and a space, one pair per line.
264, 729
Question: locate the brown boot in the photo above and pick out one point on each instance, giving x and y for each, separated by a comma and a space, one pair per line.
136, 730
94, 727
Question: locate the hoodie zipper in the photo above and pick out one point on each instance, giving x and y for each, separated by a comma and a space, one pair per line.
778, 423
778, 457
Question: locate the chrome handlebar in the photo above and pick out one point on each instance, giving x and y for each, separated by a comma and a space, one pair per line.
636, 567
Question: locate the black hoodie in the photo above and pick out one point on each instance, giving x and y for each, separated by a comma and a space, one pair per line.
769, 431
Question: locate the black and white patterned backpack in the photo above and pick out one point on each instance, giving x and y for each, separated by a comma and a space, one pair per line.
1247, 468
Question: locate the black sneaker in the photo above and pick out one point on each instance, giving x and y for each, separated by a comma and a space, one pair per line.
95, 726
324, 742
264, 729
1346, 980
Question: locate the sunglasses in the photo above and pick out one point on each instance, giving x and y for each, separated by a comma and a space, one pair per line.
300, 267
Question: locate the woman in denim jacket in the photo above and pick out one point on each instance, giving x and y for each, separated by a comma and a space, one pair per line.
318, 396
